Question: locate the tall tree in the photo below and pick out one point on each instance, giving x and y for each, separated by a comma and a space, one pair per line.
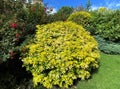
88, 5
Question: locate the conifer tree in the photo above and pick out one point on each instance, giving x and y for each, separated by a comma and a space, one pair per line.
88, 5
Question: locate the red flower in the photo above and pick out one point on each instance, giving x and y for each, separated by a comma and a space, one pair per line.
17, 35
44, 10
13, 25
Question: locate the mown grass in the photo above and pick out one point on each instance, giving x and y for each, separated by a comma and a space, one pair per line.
108, 75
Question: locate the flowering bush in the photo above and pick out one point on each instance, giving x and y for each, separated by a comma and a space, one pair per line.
32, 15
60, 53
18, 27
11, 37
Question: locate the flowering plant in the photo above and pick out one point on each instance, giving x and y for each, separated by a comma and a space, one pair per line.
18, 27
11, 38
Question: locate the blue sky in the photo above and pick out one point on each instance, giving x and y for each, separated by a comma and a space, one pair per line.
112, 4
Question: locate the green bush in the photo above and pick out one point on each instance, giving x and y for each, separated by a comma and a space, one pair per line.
61, 52
82, 18
63, 13
7, 10
102, 9
107, 24
108, 46
9, 7
32, 15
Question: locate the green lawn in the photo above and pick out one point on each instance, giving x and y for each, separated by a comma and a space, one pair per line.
108, 75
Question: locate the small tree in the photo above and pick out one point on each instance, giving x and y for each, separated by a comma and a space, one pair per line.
61, 15
64, 12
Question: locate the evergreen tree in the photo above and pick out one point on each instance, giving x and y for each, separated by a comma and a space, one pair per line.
88, 5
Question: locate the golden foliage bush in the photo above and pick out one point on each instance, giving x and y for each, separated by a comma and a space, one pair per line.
61, 53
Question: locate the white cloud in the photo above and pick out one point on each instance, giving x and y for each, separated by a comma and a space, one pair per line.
53, 10
94, 7
118, 4
112, 4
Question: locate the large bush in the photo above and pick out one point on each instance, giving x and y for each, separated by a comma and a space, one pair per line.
82, 18
61, 52
18, 27
12, 36
107, 24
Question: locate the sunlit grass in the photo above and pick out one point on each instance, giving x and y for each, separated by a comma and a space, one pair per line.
108, 75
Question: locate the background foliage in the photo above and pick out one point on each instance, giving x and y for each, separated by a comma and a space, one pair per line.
82, 18
106, 23
61, 15
16, 29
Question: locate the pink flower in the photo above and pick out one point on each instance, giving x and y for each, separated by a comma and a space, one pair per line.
17, 35
13, 25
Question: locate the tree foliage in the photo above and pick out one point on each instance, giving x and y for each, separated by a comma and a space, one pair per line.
107, 24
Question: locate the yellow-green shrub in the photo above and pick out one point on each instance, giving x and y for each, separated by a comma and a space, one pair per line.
82, 18
102, 9
61, 52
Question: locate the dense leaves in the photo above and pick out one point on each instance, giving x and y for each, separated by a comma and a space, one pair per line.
107, 24
17, 27
61, 52
64, 12
82, 18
